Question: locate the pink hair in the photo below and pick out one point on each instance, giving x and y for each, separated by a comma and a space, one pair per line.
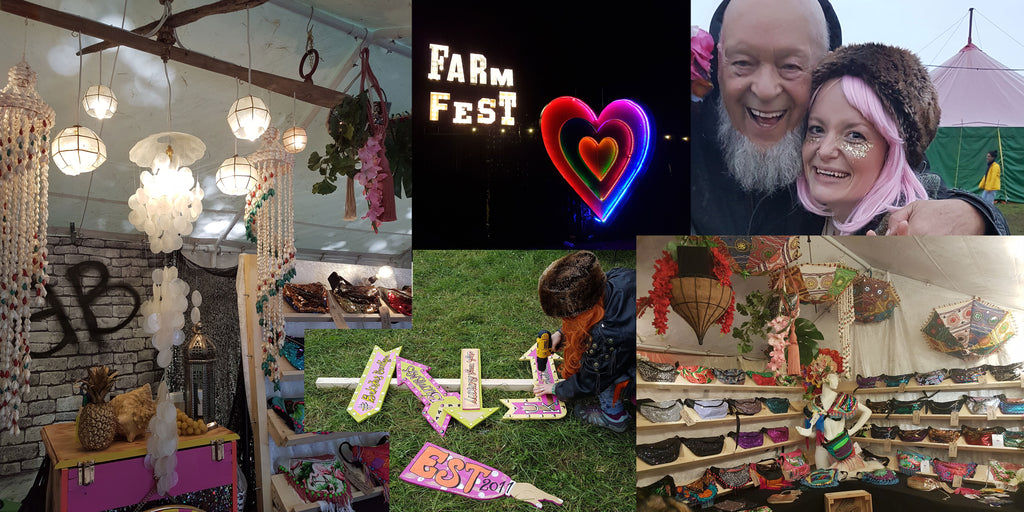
896, 186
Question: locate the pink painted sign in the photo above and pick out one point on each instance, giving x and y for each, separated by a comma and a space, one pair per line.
444, 470
373, 385
435, 399
546, 407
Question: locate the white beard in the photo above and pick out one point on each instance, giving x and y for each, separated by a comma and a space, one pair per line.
759, 170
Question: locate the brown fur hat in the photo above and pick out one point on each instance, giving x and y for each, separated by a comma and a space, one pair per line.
571, 285
900, 81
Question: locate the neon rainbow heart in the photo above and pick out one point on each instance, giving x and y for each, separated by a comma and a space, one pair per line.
600, 156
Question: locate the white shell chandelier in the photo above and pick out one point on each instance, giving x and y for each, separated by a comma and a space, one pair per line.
268, 223
169, 199
25, 123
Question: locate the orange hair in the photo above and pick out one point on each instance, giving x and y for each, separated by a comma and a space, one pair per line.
576, 331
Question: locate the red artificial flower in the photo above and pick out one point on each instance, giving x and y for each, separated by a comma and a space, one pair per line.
723, 272
665, 268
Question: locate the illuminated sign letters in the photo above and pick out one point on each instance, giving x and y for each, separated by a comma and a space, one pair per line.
449, 67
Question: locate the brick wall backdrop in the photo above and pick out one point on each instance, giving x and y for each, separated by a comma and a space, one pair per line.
128, 350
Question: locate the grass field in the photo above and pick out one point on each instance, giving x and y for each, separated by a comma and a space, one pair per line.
485, 300
1014, 213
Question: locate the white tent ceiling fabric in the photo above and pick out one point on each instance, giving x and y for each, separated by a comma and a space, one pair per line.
977, 90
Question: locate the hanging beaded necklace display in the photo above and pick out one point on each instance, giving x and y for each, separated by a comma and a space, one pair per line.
846, 317
843, 407
269, 217
25, 122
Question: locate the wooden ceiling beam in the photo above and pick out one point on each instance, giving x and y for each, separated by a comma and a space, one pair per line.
183, 18
303, 91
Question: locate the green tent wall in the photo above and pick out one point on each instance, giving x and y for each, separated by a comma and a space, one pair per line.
958, 155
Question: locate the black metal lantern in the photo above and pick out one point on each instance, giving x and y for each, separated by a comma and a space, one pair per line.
200, 375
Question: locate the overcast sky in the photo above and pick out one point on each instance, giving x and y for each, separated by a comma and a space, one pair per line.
934, 29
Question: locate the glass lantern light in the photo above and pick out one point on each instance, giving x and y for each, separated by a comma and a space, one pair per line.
77, 150
199, 357
294, 139
236, 176
100, 102
248, 117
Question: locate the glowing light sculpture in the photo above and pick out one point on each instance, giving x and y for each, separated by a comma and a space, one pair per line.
599, 156
169, 199
99, 102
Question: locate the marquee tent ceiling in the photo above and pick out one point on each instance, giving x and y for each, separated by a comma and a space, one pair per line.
977, 90
97, 202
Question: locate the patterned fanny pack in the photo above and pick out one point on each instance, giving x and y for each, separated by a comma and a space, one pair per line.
980, 436
947, 470
1005, 372
823, 478
894, 381
1011, 405
913, 436
776, 405
980, 404
938, 435
731, 376
880, 477
660, 412
931, 378
943, 407
884, 432
762, 378
868, 382
655, 372
906, 406
879, 407
747, 440
696, 374
1013, 439
966, 375
909, 462
776, 434
732, 478
661, 452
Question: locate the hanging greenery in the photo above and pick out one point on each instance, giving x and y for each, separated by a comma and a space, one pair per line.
761, 307
346, 124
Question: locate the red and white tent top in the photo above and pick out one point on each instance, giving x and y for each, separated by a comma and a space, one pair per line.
977, 90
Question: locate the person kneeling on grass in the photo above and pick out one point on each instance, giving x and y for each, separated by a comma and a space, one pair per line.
598, 313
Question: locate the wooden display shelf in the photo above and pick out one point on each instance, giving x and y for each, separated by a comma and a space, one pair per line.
287, 500
945, 417
961, 445
689, 387
288, 372
284, 436
643, 423
65, 451
290, 315
729, 451
946, 385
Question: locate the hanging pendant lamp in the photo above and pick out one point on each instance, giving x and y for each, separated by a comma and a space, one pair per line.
236, 176
701, 301
248, 117
77, 149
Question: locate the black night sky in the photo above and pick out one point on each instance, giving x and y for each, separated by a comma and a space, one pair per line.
488, 189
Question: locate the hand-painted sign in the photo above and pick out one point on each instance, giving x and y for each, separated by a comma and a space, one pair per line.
470, 387
547, 407
439, 405
444, 470
373, 385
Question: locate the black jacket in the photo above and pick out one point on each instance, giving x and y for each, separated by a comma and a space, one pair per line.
612, 351
718, 206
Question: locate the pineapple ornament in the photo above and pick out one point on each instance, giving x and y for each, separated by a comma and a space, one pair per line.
96, 422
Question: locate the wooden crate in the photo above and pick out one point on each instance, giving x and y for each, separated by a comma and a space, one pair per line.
848, 501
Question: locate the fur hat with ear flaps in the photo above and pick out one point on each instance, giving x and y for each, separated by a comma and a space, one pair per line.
571, 285
900, 81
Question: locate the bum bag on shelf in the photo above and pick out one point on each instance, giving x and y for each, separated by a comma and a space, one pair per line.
868, 382
878, 432
709, 409
769, 473
980, 404
747, 440
1005, 372
909, 462
931, 378
777, 434
1013, 439
704, 446
745, 406
894, 381
661, 452
980, 436
655, 372
913, 436
1011, 405
938, 435
934, 407
762, 378
731, 376
696, 374
660, 412
966, 375
881, 407
732, 478
776, 405
906, 406
947, 470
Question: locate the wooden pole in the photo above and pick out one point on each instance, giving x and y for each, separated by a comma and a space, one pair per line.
447, 384
306, 92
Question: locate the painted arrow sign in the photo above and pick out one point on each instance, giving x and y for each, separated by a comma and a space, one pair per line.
547, 407
439, 406
373, 385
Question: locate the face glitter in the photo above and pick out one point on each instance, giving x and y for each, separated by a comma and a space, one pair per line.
857, 150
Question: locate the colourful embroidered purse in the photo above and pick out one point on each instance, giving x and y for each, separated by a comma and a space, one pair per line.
747, 440
909, 462
947, 470
868, 382
660, 412
709, 409
965, 375
913, 436
696, 374
938, 435
770, 477
931, 378
823, 478
655, 372
794, 465
776, 405
700, 492
1011, 405
894, 381
880, 477
732, 478
884, 407
1004, 472
730, 376
661, 452
981, 436
934, 407
878, 432
745, 406
776, 434
762, 378
704, 446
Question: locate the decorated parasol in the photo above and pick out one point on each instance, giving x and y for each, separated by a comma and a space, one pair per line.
816, 283
874, 300
971, 328
759, 254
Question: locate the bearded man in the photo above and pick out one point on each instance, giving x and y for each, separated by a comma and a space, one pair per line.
749, 130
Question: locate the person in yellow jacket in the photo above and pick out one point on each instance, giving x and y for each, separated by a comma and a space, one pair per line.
990, 183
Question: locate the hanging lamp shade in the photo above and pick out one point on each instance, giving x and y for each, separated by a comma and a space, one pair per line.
100, 102
77, 150
758, 255
971, 328
294, 139
248, 117
874, 300
701, 301
236, 176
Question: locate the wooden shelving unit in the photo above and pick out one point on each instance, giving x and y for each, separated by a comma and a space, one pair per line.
285, 499
961, 445
984, 383
643, 423
729, 451
284, 436
694, 389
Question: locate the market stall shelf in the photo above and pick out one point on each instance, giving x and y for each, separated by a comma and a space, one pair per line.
692, 390
285, 499
643, 423
729, 451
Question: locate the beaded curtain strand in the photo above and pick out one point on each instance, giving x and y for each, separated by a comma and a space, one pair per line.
25, 123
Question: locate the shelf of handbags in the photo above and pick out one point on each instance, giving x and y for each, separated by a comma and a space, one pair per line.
679, 452
964, 439
694, 379
284, 435
981, 377
680, 413
285, 499
313, 302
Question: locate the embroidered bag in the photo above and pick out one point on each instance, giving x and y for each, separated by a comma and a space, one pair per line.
787, 380
880, 477
965, 375
770, 477
1005, 372
884, 432
709, 409
699, 492
909, 462
745, 406
1013, 439
931, 378
841, 447
1003, 471
776, 405
980, 404
777, 434
794, 465
762, 378
947, 470
696, 374
747, 440
704, 446
894, 381
823, 478
981, 436
655, 372
660, 412
882, 407
913, 436
906, 406
868, 382
730, 376
1011, 405
375, 460
938, 435
732, 478
661, 452
943, 407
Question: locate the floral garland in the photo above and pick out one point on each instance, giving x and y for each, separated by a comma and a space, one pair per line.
778, 339
723, 272
665, 268
828, 361
371, 176
701, 46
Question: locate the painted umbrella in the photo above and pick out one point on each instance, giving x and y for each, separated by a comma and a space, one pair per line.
760, 254
971, 328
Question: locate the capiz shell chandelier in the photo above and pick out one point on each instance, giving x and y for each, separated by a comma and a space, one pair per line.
169, 199
25, 122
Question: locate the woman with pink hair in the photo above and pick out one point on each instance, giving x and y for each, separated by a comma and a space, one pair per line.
873, 113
